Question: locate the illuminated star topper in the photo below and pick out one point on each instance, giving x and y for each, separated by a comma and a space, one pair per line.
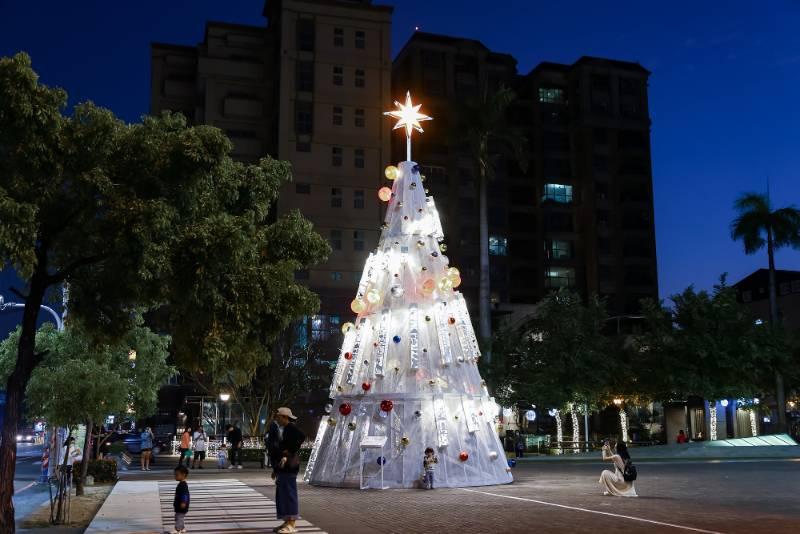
408, 115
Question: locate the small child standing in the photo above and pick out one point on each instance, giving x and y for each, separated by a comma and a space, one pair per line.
181, 502
222, 457
429, 464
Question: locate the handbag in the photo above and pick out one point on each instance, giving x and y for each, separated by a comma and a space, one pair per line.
629, 473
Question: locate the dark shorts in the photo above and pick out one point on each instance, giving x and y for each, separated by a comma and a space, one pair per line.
146, 450
200, 455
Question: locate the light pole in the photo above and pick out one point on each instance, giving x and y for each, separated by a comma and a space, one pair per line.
16, 306
224, 397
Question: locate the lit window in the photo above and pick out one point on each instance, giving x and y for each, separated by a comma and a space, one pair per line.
555, 277
336, 276
358, 240
338, 37
558, 193
338, 75
551, 95
359, 118
358, 199
336, 197
324, 326
337, 116
360, 78
336, 239
558, 249
498, 246
361, 39
336, 156
358, 160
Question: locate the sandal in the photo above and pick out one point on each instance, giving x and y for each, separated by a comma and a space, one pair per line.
287, 530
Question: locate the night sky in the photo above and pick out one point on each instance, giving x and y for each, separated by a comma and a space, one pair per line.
723, 91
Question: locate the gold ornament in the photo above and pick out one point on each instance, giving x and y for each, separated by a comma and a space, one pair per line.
358, 305
442, 247
391, 172
405, 441
346, 327
331, 421
373, 296
456, 281
445, 284
351, 426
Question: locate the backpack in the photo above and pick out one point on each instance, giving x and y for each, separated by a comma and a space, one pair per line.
629, 473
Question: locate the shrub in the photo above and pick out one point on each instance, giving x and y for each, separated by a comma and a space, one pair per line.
101, 470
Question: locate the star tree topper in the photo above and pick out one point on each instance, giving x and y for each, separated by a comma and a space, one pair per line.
408, 115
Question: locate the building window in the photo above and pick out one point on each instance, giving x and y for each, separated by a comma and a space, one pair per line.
498, 246
558, 249
358, 160
361, 39
358, 199
324, 327
304, 117
359, 118
557, 193
304, 76
338, 37
305, 35
336, 156
302, 146
336, 197
336, 239
337, 116
360, 78
551, 95
302, 189
358, 240
338, 75
336, 276
555, 277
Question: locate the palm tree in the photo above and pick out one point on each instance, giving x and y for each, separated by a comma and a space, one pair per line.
485, 129
758, 225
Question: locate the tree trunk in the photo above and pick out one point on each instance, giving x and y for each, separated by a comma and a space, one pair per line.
774, 321
87, 449
485, 287
27, 360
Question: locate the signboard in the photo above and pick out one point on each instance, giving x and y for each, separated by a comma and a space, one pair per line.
373, 442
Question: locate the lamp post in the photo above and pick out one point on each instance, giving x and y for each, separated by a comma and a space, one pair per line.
224, 397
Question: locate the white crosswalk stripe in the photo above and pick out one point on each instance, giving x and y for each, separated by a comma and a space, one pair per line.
221, 506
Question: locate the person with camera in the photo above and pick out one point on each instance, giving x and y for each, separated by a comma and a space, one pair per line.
618, 482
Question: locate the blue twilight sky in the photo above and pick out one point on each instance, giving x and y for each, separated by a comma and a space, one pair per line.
723, 91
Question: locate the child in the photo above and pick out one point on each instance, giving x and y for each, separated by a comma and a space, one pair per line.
222, 457
429, 463
181, 502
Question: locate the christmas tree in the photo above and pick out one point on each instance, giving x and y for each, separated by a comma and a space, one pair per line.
408, 365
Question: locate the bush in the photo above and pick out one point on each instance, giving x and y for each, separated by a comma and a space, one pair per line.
251, 455
101, 470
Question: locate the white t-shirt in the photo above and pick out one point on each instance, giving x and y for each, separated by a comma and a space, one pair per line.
200, 441
75, 455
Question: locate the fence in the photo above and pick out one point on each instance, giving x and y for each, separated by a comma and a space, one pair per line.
213, 445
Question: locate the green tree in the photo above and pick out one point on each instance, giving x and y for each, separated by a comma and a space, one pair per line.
759, 225
138, 217
486, 130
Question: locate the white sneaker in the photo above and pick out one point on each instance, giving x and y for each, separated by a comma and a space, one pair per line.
238, 467
230, 467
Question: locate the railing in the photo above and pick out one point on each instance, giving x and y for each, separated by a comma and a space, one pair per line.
213, 445
575, 447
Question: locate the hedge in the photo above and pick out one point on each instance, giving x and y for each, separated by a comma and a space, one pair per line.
101, 470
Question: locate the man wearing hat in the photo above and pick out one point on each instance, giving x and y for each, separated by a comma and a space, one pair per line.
285, 472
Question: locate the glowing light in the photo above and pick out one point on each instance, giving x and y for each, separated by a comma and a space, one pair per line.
576, 430
373, 296
623, 421
346, 327
559, 430
224, 397
713, 421
530, 415
391, 172
408, 117
753, 423
384, 193
724, 403
358, 306
617, 402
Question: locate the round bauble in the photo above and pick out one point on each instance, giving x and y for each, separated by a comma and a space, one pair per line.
348, 355
381, 460
445, 284
346, 327
443, 247
404, 441
452, 272
345, 408
358, 305
417, 413
391, 172
456, 281
384, 193
373, 296
397, 291
328, 408
451, 320
331, 421
396, 339
463, 456
420, 243
428, 286
351, 426
493, 455
387, 405
366, 386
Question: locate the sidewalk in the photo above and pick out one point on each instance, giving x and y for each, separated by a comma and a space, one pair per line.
217, 505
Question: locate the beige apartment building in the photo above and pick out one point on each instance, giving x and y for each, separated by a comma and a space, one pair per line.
309, 88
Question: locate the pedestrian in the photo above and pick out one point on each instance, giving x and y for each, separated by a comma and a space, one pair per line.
272, 442
185, 445
429, 465
181, 502
199, 446
222, 456
146, 439
285, 471
69, 455
613, 482
520, 449
235, 441
681, 437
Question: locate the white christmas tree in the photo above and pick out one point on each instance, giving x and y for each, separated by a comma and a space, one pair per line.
408, 366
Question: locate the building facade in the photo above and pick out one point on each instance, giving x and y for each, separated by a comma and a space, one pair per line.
581, 214
307, 88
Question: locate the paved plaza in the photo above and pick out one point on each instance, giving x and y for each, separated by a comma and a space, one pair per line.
560, 497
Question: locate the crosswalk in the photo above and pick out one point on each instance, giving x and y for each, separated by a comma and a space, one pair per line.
224, 505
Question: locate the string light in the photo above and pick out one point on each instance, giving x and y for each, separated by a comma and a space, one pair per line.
576, 430
713, 421
753, 423
623, 421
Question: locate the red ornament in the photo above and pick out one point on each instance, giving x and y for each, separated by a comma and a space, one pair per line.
452, 320
387, 405
348, 355
345, 408
365, 386
463, 456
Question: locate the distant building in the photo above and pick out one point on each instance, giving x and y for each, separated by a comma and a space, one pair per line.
582, 214
309, 88
753, 290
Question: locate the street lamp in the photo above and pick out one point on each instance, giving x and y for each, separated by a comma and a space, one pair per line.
224, 397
